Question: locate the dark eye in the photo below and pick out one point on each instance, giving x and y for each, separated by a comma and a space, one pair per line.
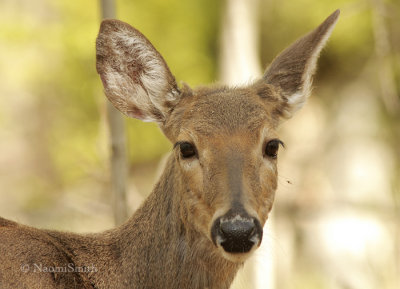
187, 150
272, 147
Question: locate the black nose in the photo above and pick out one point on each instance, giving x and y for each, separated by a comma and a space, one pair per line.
237, 234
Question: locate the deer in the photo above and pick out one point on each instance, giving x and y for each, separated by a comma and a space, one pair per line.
206, 214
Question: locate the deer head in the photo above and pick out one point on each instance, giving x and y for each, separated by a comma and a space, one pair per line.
224, 139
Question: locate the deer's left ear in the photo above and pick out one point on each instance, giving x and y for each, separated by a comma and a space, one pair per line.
291, 72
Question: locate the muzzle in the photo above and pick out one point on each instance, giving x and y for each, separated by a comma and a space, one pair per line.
236, 232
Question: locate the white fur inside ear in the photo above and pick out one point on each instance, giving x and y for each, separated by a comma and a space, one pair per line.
137, 79
295, 102
153, 76
126, 95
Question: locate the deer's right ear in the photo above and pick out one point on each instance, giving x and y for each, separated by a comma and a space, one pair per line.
135, 77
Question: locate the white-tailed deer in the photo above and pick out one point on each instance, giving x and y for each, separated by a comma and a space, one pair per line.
206, 214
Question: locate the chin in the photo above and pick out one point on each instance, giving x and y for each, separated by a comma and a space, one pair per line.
237, 257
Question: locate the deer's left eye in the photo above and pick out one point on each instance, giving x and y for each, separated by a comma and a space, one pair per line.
271, 148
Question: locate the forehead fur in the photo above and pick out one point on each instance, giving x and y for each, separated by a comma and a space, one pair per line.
209, 110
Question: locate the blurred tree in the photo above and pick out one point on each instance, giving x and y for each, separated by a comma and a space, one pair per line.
118, 165
383, 50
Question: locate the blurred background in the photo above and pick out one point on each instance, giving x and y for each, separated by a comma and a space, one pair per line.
336, 220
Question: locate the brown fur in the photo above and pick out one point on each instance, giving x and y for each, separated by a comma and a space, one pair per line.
167, 243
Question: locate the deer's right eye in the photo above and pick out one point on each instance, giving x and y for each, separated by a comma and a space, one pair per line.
187, 150
271, 148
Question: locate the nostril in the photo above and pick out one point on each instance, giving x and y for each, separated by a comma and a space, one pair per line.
252, 232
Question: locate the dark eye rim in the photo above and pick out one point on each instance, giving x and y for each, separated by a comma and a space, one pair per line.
181, 144
278, 143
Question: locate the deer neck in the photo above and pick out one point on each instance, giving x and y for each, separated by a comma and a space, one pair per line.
171, 253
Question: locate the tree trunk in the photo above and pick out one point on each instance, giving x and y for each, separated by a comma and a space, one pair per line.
118, 166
